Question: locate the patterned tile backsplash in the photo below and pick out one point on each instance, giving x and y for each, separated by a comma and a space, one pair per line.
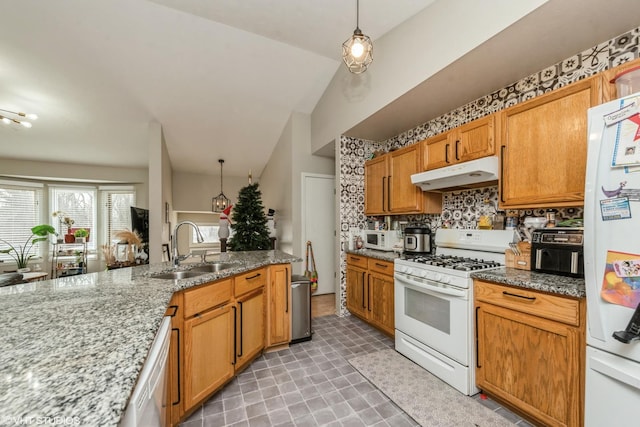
461, 209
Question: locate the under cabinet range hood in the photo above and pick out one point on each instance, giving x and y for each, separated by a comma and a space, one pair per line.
460, 175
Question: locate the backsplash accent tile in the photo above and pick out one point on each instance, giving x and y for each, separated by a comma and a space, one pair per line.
462, 208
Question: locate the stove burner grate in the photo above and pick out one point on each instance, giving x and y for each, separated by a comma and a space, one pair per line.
454, 262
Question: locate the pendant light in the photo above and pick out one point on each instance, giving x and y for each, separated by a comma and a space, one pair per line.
220, 202
357, 51
13, 117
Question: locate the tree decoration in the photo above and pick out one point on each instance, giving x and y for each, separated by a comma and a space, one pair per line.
250, 222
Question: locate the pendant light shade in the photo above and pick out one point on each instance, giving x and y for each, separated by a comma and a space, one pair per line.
357, 51
220, 202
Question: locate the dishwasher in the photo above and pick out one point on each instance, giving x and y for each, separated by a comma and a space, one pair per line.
147, 405
300, 309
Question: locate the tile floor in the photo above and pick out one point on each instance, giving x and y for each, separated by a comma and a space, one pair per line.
312, 384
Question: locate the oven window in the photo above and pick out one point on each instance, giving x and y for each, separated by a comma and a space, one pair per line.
428, 309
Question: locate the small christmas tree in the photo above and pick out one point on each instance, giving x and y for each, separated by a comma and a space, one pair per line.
250, 231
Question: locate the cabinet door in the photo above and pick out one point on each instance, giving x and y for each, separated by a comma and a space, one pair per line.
404, 196
544, 146
376, 186
381, 302
208, 352
475, 140
436, 152
531, 363
278, 300
249, 327
357, 291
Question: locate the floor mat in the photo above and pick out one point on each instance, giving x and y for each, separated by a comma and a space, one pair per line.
429, 400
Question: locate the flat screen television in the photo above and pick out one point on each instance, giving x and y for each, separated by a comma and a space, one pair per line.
140, 222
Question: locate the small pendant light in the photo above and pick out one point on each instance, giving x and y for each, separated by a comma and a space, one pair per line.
357, 51
220, 202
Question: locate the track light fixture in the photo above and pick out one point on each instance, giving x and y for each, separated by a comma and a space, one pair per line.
9, 117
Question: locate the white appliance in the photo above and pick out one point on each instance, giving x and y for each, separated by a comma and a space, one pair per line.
611, 244
434, 302
147, 404
383, 240
484, 169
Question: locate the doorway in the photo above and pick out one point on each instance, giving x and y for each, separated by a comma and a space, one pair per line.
318, 226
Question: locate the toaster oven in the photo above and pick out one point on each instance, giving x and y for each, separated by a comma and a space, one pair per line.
558, 251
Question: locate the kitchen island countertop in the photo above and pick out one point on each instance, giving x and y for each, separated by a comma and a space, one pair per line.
560, 285
73, 347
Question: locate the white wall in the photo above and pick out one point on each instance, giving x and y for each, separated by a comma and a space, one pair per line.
160, 191
281, 181
408, 55
193, 192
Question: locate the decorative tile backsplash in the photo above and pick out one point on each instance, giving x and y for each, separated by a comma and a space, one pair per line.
461, 209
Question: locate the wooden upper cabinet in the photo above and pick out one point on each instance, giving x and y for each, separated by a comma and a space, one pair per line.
404, 197
376, 186
543, 147
470, 141
388, 187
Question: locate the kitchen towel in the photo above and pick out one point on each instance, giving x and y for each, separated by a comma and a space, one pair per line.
426, 398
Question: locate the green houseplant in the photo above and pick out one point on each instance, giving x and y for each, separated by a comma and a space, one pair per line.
22, 254
81, 235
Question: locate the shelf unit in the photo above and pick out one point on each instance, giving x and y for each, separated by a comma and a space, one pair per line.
68, 259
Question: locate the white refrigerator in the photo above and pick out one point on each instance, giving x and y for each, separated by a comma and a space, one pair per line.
612, 264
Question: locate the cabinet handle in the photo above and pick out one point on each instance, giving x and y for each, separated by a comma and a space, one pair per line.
477, 342
178, 357
235, 334
501, 177
457, 143
389, 193
369, 295
381, 265
384, 180
355, 258
175, 310
509, 294
286, 290
253, 277
364, 306
446, 153
241, 316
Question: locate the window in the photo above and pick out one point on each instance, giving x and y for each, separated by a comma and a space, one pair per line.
79, 204
20, 210
210, 234
116, 210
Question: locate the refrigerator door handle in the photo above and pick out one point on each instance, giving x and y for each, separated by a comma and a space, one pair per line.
611, 371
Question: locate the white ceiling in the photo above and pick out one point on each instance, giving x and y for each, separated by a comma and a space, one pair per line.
222, 77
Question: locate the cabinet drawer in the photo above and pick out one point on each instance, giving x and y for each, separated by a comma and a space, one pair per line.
357, 260
203, 298
379, 266
250, 281
539, 304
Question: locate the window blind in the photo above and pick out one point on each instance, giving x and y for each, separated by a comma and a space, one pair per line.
116, 212
79, 204
20, 210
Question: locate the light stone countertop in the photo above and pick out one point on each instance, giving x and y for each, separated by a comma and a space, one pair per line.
559, 285
73, 347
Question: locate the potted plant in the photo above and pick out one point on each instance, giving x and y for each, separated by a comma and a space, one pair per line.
81, 235
22, 254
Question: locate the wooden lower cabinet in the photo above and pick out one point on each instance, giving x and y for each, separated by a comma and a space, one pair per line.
278, 331
370, 292
249, 327
219, 328
530, 348
209, 353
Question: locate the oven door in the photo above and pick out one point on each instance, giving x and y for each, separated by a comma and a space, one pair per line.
433, 314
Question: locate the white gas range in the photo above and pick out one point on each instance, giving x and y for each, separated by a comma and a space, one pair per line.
434, 302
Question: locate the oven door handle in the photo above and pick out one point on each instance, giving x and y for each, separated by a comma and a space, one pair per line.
422, 286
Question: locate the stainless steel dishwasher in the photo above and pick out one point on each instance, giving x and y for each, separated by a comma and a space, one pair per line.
300, 309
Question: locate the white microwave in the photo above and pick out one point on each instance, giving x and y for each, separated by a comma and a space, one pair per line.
382, 240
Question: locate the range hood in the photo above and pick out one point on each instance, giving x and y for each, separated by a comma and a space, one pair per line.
460, 175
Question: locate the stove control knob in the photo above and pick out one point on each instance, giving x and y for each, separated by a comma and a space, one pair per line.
438, 277
446, 279
423, 273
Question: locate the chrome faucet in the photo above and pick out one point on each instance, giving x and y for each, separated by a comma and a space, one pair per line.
174, 242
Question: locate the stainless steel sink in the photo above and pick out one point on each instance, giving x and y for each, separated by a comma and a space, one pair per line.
214, 267
177, 275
